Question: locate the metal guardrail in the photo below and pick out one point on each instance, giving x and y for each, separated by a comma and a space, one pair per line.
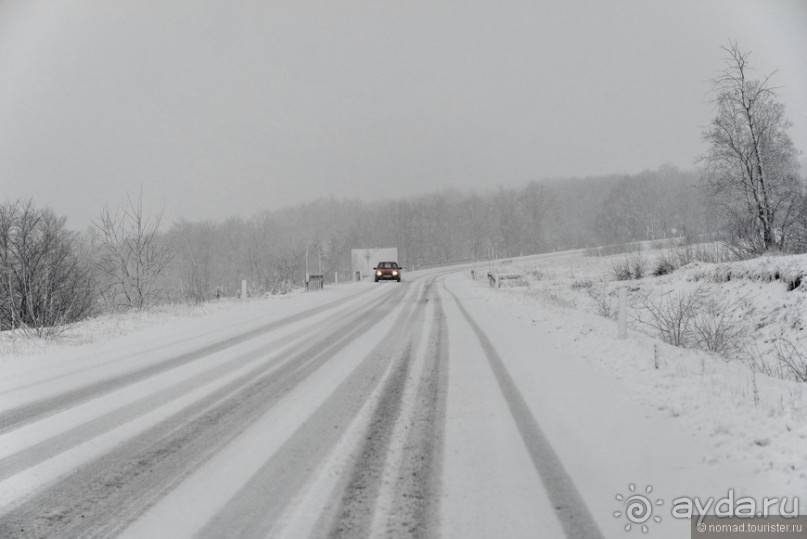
497, 260
314, 281
497, 279
444, 264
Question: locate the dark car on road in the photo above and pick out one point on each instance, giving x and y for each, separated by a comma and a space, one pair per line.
387, 271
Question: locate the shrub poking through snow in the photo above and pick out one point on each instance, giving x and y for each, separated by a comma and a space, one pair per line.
281, 287
621, 270
715, 330
683, 254
791, 271
535, 274
760, 361
791, 360
672, 315
664, 265
604, 303
632, 266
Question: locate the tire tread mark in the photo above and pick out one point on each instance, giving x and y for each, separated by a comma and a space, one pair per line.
104, 495
157, 348
571, 510
16, 417
254, 509
416, 507
35, 454
359, 493
356, 508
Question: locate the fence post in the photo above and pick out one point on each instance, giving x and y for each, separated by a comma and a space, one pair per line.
243, 289
623, 313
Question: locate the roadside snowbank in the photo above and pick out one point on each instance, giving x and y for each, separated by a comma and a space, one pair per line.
788, 270
760, 305
177, 317
744, 416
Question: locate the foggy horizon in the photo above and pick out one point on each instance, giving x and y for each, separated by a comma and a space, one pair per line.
218, 111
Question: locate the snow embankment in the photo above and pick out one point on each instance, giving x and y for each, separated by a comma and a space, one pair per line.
788, 270
742, 400
157, 324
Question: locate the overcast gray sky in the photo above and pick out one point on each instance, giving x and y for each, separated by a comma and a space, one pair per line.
228, 108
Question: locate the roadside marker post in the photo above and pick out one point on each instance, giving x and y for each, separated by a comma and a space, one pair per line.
623, 313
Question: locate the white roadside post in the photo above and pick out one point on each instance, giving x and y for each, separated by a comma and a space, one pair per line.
243, 289
336, 278
623, 313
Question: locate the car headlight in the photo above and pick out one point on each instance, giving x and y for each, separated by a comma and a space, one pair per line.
394, 273
378, 273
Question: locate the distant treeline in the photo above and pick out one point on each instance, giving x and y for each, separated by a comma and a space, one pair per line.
127, 261
269, 249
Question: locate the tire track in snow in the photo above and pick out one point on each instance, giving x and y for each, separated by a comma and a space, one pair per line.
416, 491
16, 417
103, 496
358, 501
185, 338
38, 453
254, 510
570, 508
400, 458
380, 382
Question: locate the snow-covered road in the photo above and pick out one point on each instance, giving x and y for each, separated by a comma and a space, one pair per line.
416, 409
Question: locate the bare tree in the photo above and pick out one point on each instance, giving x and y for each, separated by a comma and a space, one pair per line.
798, 240
751, 166
44, 283
134, 256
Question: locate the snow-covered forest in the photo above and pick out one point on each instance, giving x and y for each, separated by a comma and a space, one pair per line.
205, 260
269, 249
747, 194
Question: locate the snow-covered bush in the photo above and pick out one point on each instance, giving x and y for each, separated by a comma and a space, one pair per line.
604, 303
283, 286
682, 254
715, 330
760, 361
632, 266
792, 360
790, 270
671, 315
535, 274
665, 264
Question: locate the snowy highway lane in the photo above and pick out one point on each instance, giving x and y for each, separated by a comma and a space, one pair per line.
363, 411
